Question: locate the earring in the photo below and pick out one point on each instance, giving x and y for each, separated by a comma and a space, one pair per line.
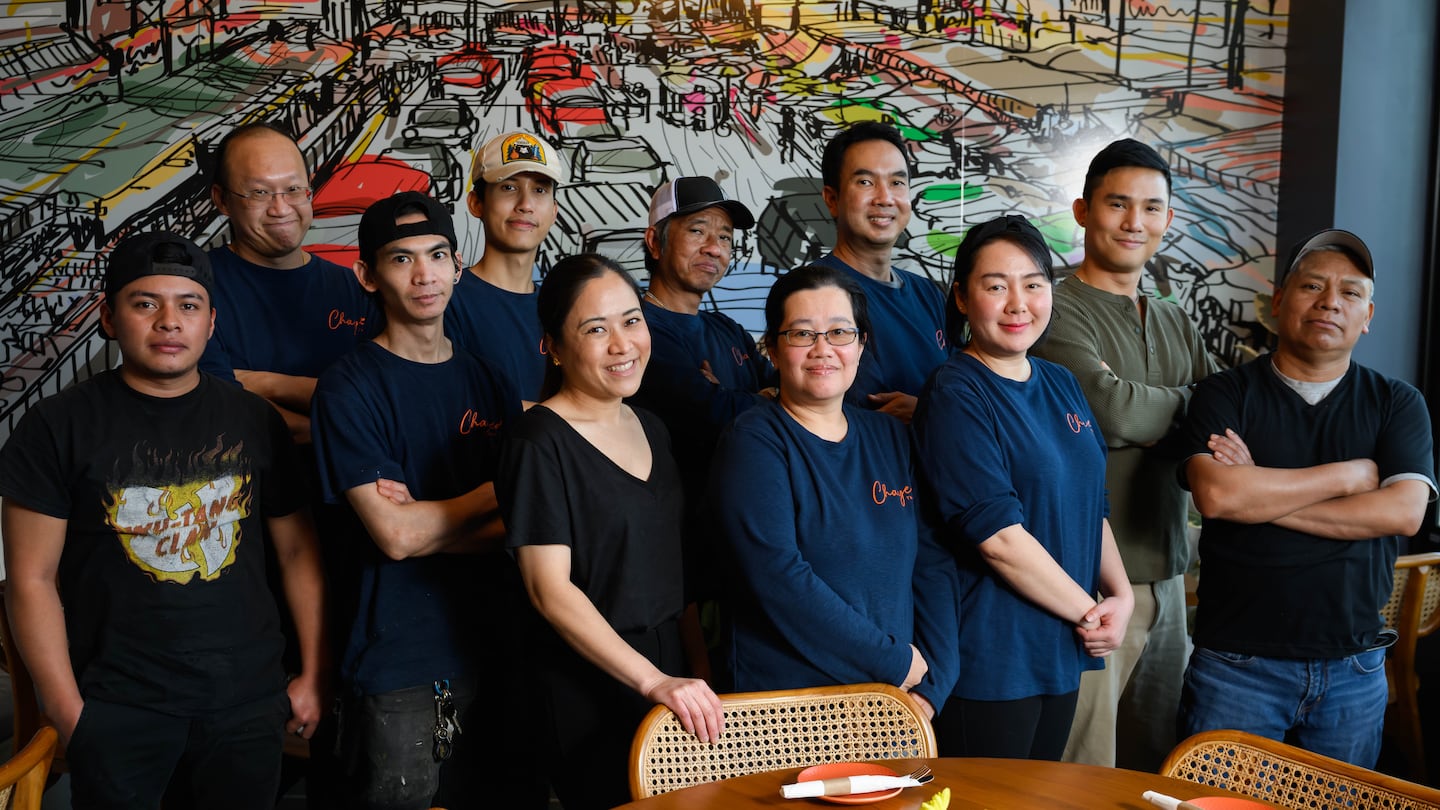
555, 360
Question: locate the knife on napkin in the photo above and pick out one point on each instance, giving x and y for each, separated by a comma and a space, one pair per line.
845, 786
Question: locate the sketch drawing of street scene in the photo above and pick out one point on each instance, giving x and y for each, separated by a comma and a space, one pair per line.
110, 113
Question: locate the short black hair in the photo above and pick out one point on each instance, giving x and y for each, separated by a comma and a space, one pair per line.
1121, 154
834, 157
812, 277
217, 168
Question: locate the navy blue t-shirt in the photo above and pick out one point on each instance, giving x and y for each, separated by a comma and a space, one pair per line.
501, 326
435, 427
294, 322
694, 409
994, 452
908, 341
837, 573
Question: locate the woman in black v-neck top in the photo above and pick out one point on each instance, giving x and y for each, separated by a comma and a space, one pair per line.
593, 507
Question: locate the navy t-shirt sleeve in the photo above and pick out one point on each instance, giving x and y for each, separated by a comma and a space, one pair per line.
216, 360
961, 455
752, 496
936, 592
350, 444
672, 379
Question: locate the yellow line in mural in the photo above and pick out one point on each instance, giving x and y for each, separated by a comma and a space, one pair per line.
363, 142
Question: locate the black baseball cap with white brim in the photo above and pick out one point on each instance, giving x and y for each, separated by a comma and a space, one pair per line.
686, 195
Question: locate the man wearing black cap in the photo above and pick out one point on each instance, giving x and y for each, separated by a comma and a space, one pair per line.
407, 431
704, 368
1308, 468
140, 500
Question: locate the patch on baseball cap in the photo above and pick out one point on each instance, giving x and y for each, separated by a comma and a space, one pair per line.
512, 153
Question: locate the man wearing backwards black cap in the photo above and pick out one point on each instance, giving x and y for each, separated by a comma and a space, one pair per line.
140, 499
704, 368
1308, 468
407, 432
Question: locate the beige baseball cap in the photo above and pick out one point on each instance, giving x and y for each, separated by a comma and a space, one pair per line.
512, 153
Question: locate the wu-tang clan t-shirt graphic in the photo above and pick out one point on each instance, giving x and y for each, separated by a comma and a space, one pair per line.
178, 516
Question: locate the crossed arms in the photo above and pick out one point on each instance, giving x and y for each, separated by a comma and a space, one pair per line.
1341, 500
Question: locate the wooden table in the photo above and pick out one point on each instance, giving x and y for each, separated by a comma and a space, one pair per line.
975, 784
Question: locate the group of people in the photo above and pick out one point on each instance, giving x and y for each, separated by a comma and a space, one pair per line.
541, 510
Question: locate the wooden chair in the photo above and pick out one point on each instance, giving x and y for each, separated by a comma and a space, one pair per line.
769, 731
1286, 776
22, 779
1413, 612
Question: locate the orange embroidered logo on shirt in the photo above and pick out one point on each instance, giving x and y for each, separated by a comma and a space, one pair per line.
339, 320
472, 421
880, 492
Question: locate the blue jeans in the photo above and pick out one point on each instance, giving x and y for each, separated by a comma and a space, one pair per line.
1332, 706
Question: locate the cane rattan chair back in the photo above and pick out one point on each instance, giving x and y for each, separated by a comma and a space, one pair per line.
22, 779
1286, 776
1413, 612
771, 731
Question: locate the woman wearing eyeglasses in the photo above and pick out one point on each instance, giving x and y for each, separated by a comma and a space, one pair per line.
837, 580
1015, 467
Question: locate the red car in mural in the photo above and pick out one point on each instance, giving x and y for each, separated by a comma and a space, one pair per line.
339, 203
563, 94
472, 68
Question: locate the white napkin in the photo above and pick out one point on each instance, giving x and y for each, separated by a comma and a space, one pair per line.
844, 786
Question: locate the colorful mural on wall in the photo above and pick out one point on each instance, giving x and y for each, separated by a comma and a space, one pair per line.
109, 112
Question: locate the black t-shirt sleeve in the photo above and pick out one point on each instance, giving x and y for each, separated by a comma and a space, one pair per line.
1214, 406
33, 466
1405, 444
530, 487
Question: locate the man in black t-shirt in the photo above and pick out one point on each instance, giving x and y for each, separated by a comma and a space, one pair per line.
136, 507
1307, 467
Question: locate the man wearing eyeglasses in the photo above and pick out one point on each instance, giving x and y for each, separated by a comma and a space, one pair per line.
283, 315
